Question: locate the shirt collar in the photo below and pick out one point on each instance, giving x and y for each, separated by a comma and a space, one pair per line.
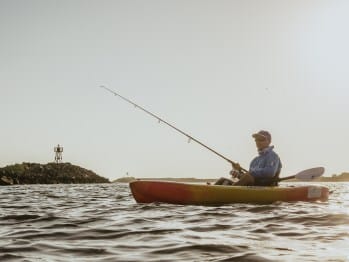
265, 150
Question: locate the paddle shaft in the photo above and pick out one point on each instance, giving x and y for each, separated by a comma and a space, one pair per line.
286, 178
172, 126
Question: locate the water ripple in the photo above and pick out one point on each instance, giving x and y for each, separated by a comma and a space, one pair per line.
103, 223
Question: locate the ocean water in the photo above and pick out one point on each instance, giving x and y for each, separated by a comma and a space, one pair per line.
102, 222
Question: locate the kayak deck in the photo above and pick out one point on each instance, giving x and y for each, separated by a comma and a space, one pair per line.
149, 191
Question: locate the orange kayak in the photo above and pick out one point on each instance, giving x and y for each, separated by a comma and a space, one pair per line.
145, 191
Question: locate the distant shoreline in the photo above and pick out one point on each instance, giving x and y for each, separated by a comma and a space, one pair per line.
344, 177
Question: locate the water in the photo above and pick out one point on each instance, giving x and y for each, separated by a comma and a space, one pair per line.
99, 222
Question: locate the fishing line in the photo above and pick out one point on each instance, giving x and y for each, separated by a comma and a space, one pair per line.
160, 120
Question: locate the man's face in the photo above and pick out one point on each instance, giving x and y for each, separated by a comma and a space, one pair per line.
261, 142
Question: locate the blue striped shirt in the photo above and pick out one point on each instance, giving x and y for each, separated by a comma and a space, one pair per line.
267, 164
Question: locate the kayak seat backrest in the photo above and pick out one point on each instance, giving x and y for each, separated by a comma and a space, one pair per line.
273, 181
276, 178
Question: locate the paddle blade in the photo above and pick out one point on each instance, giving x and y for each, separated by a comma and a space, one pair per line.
310, 174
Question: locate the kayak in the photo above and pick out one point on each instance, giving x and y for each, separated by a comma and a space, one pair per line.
149, 191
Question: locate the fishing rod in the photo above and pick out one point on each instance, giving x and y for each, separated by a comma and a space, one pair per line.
172, 126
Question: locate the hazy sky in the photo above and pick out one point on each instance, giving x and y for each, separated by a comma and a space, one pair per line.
218, 70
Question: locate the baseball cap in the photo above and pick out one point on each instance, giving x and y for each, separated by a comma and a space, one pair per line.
263, 134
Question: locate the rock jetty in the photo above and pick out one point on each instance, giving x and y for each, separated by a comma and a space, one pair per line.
51, 173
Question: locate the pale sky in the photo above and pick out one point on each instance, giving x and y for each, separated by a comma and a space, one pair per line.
218, 70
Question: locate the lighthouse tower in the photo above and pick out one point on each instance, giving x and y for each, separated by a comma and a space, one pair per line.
58, 154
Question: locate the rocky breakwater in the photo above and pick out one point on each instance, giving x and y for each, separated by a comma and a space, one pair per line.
51, 173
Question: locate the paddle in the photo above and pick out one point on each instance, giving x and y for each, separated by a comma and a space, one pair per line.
306, 175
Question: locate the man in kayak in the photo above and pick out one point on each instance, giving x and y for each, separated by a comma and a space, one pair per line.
264, 169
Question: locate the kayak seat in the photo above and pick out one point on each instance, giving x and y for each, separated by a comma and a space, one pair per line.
268, 181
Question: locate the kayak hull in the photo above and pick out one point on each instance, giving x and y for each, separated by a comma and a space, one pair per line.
146, 191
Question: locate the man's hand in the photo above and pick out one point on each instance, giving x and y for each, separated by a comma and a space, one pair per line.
236, 166
234, 173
